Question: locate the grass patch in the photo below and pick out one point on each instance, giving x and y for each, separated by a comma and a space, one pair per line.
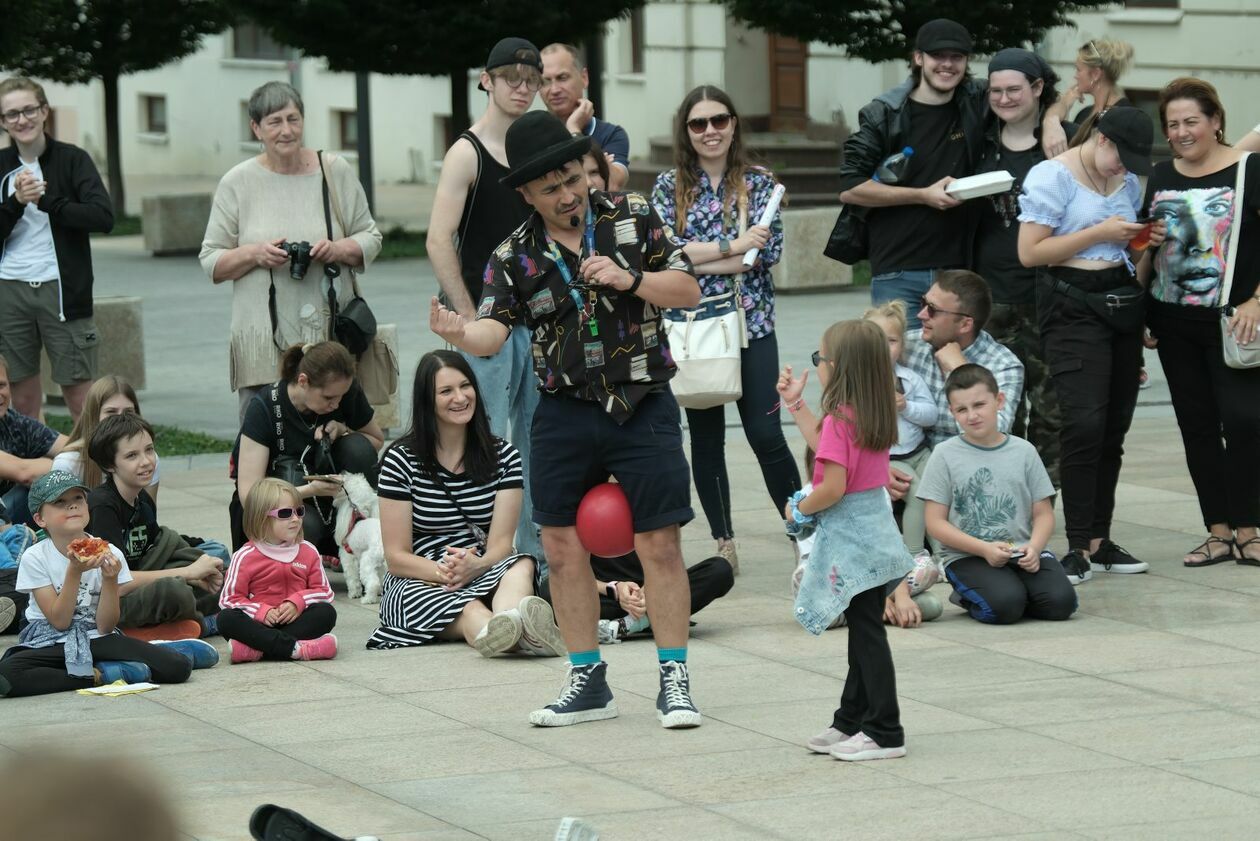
170, 440
400, 243
862, 274
125, 226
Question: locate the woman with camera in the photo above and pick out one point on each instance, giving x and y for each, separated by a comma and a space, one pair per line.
269, 234
311, 423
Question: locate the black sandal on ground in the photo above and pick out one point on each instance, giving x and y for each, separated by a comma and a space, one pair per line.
1204, 551
1242, 554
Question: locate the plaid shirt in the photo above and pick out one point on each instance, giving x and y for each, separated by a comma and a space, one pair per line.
25, 438
985, 350
612, 349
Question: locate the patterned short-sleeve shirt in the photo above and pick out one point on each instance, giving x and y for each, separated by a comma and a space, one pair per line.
611, 350
25, 438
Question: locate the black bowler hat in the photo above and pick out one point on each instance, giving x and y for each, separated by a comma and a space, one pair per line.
539, 143
943, 34
1132, 132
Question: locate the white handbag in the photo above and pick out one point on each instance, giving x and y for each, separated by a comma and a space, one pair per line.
706, 345
1236, 355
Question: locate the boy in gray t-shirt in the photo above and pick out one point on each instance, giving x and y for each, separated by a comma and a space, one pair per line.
987, 506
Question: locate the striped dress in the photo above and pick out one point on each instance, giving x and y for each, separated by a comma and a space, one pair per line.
413, 612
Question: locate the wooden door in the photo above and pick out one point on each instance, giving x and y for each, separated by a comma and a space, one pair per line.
787, 84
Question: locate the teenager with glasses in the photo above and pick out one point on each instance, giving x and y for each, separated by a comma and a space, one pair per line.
712, 199
472, 213
51, 199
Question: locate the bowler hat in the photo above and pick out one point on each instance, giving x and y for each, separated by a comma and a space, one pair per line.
539, 143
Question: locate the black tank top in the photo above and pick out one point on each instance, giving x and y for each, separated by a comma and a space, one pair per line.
491, 212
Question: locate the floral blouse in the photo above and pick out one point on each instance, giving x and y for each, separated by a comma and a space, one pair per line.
706, 222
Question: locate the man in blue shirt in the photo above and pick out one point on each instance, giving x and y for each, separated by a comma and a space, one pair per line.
564, 93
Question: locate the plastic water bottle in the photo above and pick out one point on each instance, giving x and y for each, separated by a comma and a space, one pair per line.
891, 170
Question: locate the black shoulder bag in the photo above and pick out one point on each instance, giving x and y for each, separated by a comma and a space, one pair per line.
354, 325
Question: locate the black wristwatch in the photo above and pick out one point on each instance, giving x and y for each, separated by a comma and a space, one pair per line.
724, 246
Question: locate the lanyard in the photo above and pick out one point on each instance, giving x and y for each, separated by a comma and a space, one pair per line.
553, 252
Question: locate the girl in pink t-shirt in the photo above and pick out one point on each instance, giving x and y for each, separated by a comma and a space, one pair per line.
858, 547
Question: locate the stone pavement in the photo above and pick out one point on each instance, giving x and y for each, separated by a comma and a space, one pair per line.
1135, 719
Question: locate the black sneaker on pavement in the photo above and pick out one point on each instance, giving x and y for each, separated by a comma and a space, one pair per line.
1112, 557
673, 703
585, 697
1076, 566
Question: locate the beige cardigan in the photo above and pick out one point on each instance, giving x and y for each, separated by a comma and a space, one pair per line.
254, 204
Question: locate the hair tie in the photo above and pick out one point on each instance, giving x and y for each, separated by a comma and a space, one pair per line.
306, 347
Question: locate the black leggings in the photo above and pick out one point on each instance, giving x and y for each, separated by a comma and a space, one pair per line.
758, 412
710, 580
869, 702
40, 671
276, 642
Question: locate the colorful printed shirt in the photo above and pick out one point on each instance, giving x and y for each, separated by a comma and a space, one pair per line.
611, 349
707, 221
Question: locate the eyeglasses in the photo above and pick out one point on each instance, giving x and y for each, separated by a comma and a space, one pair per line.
514, 77
817, 357
933, 310
698, 125
30, 113
287, 513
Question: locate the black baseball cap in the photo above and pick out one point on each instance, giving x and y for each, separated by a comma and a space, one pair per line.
514, 51
943, 34
1132, 132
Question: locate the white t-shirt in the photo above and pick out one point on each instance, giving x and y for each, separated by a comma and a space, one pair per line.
42, 565
29, 254
71, 461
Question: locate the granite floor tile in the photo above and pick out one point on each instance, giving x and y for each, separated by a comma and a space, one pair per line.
1124, 652
1171, 737
677, 823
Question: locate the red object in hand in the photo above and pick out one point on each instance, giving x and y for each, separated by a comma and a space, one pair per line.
1143, 239
604, 522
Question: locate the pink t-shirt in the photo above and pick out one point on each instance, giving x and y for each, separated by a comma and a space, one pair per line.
865, 469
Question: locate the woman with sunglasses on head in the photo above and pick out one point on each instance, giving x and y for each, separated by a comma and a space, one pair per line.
712, 199
312, 422
1100, 62
451, 494
51, 199
1078, 214
1218, 407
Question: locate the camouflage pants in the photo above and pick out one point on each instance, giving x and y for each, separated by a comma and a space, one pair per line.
1037, 418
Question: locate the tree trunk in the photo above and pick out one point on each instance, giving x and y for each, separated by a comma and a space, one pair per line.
594, 45
113, 150
363, 118
459, 105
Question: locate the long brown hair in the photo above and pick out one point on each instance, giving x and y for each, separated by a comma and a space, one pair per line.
861, 387
1188, 87
687, 162
321, 362
102, 390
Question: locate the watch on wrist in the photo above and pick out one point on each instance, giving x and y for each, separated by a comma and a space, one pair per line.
724, 246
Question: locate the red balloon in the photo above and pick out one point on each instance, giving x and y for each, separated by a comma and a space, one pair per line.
604, 523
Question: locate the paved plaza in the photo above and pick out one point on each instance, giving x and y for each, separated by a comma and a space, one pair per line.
1136, 719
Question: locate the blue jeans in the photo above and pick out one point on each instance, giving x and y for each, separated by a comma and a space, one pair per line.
908, 286
509, 391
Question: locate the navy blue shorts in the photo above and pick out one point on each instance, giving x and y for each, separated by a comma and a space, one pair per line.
575, 445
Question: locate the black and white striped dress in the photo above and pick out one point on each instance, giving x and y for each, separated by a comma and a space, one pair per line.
413, 612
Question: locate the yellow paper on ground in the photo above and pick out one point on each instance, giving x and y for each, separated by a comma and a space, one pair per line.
118, 687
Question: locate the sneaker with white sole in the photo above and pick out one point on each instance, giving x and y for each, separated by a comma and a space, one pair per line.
860, 747
200, 654
823, 742
584, 697
1114, 558
539, 634
611, 631
1076, 566
501, 634
674, 706
8, 611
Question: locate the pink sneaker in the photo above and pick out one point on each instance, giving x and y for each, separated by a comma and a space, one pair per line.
242, 653
860, 747
823, 742
320, 648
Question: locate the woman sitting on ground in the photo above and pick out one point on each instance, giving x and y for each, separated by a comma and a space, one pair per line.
450, 497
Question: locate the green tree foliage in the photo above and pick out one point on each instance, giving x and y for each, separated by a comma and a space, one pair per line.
77, 41
882, 30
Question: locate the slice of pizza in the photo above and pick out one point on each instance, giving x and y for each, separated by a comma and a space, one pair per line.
90, 548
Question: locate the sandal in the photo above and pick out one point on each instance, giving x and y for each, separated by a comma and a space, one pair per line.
1204, 552
1242, 553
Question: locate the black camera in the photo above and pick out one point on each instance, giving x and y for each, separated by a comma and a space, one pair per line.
299, 257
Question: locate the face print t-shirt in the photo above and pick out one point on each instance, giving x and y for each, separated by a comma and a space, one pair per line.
1190, 265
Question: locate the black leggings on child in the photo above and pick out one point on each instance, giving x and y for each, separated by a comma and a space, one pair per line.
869, 702
276, 642
40, 671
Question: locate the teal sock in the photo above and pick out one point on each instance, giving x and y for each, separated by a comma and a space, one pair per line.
678, 655
585, 658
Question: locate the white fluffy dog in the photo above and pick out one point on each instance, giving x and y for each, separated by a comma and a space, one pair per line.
358, 535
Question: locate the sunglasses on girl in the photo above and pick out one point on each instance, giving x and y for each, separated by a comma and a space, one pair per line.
817, 357
698, 125
287, 513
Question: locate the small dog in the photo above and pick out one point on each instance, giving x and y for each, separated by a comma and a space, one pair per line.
358, 535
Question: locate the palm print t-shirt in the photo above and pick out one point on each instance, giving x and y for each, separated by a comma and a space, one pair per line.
1199, 212
989, 491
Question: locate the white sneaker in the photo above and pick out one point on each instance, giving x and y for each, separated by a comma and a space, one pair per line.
822, 742
610, 631
860, 747
539, 634
501, 634
8, 610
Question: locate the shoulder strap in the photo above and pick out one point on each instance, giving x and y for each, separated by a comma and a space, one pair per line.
471, 198
331, 198
1234, 230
